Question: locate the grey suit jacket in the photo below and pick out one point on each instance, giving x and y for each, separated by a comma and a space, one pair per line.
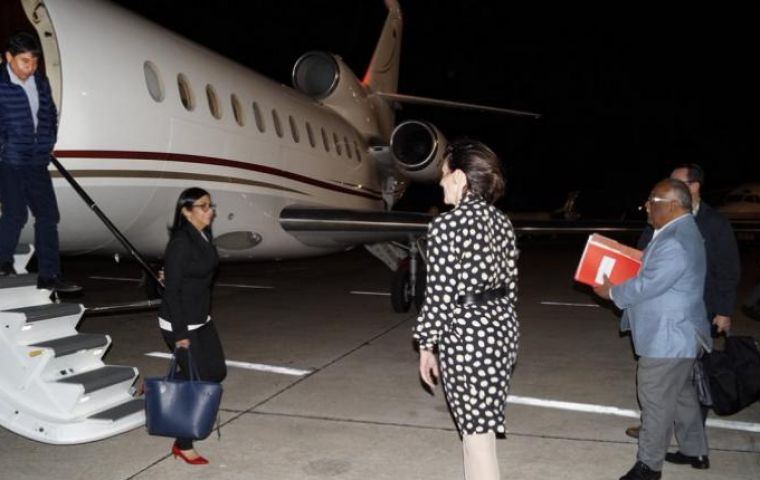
663, 305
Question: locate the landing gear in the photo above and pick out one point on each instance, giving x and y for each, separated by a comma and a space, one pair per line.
408, 283
401, 289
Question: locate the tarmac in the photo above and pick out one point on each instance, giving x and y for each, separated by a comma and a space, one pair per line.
361, 411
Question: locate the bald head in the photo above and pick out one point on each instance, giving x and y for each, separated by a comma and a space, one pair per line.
669, 200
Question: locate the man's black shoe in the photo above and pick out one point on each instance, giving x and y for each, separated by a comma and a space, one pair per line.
6, 269
641, 471
58, 284
701, 462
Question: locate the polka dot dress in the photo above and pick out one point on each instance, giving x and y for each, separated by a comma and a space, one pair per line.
472, 249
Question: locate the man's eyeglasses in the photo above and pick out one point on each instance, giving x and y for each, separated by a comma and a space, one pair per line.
653, 199
205, 207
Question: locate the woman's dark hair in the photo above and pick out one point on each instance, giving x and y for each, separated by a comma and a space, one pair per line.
480, 165
186, 200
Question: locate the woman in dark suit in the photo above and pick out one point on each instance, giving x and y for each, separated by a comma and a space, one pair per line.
469, 320
190, 263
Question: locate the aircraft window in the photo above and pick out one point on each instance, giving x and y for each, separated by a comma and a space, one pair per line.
337, 144
348, 147
153, 81
325, 140
277, 125
237, 110
356, 150
213, 102
185, 93
294, 129
310, 134
259, 118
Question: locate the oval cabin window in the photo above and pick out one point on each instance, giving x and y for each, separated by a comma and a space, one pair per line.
153, 81
259, 118
213, 102
185, 93
237, 110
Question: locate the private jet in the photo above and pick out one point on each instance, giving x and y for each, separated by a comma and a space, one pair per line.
295, 172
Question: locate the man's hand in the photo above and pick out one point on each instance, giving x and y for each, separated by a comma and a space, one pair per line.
603, 290
722, 322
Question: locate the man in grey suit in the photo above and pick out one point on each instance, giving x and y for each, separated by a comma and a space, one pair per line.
665, 312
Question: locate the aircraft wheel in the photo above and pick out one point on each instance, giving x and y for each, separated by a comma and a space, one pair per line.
401, 290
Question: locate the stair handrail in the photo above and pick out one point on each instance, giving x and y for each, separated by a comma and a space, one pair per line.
102, 216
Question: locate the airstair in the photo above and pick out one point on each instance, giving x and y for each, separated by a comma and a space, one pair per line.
54, 386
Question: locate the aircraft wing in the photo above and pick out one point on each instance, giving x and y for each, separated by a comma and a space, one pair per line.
321, 227
327, 227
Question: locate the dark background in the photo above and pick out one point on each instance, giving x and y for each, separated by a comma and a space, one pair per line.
624, 94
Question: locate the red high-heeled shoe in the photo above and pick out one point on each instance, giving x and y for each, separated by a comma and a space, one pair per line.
192, 461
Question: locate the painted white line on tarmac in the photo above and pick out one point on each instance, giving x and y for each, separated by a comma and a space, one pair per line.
379, 294
248, 366
621, 412
570, 304
116, 279
138, 280
241, 285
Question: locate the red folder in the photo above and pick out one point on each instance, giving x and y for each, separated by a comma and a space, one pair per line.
604, 256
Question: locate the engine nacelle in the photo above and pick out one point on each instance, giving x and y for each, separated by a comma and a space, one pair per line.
325, 77
418, 148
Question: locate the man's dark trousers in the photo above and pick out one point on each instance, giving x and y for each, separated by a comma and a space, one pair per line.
22, 187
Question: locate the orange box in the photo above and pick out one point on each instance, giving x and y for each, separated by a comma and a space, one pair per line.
604, 256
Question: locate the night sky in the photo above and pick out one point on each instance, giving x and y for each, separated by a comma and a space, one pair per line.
625, 94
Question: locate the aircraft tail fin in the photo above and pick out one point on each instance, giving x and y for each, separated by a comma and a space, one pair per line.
382, 73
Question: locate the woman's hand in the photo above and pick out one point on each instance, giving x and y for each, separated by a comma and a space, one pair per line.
184, 343
429, 368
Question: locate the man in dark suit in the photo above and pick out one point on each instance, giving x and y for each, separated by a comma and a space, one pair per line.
664, 311
723, 269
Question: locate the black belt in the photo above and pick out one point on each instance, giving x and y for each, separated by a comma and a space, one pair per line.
482, 297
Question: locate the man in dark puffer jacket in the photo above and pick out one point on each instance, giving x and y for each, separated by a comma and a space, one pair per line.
28, 129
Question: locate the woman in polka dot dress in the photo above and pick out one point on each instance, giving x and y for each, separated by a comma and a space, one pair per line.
469, 312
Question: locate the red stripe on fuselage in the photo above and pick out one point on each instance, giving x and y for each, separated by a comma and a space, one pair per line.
203, 160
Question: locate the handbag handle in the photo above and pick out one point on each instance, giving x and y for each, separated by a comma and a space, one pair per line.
194, 375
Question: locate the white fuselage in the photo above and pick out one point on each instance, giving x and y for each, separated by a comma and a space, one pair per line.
134, 153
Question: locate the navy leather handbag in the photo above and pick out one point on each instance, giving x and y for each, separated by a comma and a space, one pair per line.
181, 408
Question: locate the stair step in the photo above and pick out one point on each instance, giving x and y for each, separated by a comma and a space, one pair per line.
48, 311
22, 249
101, 378
16, 281
120, 411
68, 345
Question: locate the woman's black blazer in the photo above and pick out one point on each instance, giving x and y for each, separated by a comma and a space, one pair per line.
190, 262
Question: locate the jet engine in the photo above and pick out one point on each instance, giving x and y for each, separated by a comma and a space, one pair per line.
326, 78
418, 148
